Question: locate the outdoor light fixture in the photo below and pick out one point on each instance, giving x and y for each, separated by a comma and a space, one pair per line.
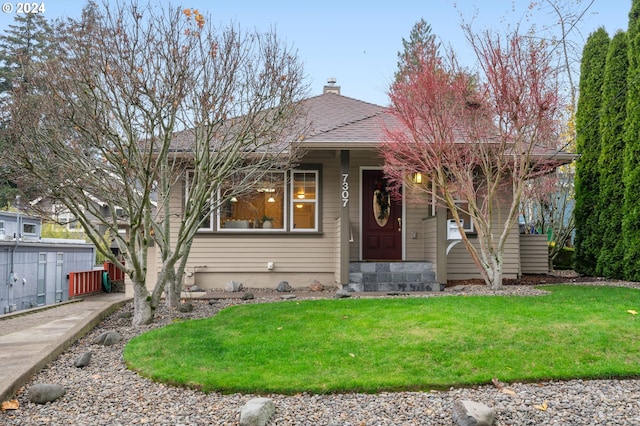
417, 178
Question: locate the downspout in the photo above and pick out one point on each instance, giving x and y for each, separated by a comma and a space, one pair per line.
12, 275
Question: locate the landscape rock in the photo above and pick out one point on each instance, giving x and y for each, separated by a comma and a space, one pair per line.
185, 307
316, 286
288, 296
83, 360
41, 393
342, 293
257, 412
283, 287
248, 296
471, 413
108, 338
234, 286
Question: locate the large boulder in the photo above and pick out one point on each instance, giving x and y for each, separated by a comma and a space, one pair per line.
316, 286
108, 338
257, 412
471, 413
83, 360
283, 287
41, 393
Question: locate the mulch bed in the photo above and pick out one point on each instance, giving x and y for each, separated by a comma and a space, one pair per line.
556, 277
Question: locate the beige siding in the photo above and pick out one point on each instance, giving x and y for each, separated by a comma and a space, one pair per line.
430, 238
415, 214
534, 254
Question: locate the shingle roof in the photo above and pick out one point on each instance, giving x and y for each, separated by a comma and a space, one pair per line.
338, 119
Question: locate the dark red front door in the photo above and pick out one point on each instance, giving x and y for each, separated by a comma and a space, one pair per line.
381, 219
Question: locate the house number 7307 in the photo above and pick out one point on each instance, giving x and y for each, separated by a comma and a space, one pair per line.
345, 189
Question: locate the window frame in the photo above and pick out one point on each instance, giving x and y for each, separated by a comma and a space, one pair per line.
469, 230
315, 200
187, 179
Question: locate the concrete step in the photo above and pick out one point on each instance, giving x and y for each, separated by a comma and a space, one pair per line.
392, 276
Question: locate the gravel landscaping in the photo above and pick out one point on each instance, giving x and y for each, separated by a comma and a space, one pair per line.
107, 393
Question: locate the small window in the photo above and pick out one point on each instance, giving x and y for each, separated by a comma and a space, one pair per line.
465, 217
304, 200
29, 228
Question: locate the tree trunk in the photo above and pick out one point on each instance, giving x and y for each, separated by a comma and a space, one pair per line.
494, 273
142, 306
173, 288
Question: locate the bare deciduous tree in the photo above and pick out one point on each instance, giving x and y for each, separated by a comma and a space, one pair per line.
140, 95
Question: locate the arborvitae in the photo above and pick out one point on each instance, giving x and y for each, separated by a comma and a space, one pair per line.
612, 119
588, 240
631, 171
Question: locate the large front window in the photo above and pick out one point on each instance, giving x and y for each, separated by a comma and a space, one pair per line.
259, 207
279, 201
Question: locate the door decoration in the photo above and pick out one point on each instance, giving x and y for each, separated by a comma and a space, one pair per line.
381, 203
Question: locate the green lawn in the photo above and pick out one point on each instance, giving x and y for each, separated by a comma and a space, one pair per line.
371, 345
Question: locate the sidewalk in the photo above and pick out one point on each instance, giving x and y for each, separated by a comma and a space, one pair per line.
29, 340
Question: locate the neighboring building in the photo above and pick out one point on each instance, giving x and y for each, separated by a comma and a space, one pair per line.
330, 219
35, 270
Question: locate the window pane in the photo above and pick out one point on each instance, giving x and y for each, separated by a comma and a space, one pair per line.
304, 185
304, 215
260, 207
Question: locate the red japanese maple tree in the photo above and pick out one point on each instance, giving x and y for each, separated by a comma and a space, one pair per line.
476, 138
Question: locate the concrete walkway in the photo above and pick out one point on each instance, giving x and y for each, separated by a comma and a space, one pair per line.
32, 338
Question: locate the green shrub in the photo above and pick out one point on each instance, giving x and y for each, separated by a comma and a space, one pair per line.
565, 259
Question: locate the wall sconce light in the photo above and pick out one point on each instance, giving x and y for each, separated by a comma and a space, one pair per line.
271, 200
234, 200
417, 178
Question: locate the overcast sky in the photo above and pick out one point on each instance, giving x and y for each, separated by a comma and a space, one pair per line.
357, 41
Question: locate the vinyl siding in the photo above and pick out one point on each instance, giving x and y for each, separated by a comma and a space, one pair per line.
534, 254
430, 232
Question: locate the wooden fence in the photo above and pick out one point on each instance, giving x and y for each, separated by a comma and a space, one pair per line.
88, 282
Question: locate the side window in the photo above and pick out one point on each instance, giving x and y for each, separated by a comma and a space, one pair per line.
304, 200
465, 217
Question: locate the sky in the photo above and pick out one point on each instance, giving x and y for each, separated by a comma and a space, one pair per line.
357, 41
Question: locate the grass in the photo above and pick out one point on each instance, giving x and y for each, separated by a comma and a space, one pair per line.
373, 345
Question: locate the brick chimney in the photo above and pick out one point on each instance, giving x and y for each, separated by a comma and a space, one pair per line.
331, 87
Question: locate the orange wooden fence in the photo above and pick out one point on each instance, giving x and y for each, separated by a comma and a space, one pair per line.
88, 282
85, 282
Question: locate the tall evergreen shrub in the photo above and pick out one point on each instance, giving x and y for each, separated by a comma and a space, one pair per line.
587, 181
631, 171
612, 120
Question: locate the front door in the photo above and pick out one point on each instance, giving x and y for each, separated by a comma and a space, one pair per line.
381, 219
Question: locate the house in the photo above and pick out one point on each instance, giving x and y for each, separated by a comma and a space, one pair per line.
34, 270
331, 219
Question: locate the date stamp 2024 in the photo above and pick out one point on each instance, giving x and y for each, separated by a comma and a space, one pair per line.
22, 8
